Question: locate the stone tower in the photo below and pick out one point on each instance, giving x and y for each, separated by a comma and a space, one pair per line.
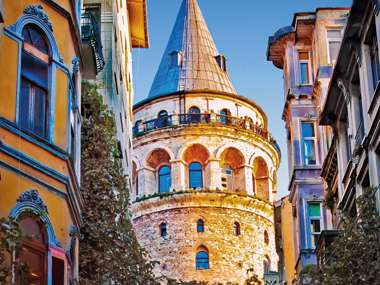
204, 165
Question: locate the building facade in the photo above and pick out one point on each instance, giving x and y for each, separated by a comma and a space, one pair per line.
285, 240
121, 26
40, 134
351, 109
306, 51
204, 166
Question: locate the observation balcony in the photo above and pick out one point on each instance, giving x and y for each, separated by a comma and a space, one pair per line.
182, 120
91, 47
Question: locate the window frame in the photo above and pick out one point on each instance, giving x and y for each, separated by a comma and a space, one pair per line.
309, 218
314, 139
190, 171
34, 87
332, 39
159, 176
200, 226
309, 71
202, 263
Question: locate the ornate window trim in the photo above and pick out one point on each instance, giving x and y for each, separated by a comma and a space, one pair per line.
31, 202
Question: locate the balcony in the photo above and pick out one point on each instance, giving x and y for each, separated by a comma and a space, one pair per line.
91, 48
183, 120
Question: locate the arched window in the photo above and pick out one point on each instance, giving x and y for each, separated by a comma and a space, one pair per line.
162, 119
200, 226
163, 230
137, 129
202, 259
194, 115
34, 89
266, 237
164, 179
224, 116
236, 228
195, 175
34, 251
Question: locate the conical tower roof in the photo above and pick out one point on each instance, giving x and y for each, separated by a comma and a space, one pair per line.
190, 59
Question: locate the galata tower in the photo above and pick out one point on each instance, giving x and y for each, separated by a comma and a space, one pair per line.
204, 166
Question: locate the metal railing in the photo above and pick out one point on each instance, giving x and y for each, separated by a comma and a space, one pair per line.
90, 34
177, 120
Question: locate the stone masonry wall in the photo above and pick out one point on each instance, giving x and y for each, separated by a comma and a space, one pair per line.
230, 255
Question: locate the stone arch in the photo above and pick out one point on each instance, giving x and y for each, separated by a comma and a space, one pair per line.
158, 156
261, 178
195, 152
232, 162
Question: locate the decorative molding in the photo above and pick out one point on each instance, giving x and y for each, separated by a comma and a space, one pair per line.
32, 196
31, 202
38, 11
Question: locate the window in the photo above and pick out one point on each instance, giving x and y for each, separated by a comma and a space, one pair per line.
194, 115
34, 101
334, 38
224, 114
314, 217
195, 175
200, 226
304, 73
202, 260
374, 56
236, 229
266, 237
163, 230
308, 143
162, 119
34, 251
58, 270
227, 178
164, 179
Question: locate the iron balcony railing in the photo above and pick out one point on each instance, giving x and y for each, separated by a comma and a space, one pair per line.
90, 34
177, 120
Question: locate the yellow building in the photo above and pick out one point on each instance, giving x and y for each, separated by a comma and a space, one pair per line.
285, 239
39, 133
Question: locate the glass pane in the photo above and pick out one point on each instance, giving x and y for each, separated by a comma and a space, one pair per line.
35, 262
307, 130
39, 115
334, 34
309, 153
194, 110
304, 70
202, 260
195, 175
303, 55
24, 116
31, 229
314, 210
35, 70
334, 50
35, 37
315, 225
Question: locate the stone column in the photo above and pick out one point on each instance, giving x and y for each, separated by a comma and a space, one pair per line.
178, 175
213, 175
147, 181
248, 171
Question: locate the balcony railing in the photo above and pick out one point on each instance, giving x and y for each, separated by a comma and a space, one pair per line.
90, 34
179, 120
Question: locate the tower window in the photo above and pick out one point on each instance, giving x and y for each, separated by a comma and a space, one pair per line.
308, 143
164, 179
34, 99
236, 229
176, 58
304, 66
195, 175
222, 62
163, 230
200, 226
202, 260
266, 237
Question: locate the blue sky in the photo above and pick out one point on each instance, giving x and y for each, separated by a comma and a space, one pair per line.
240, 29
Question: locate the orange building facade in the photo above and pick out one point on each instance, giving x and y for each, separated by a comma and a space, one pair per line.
40, 133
